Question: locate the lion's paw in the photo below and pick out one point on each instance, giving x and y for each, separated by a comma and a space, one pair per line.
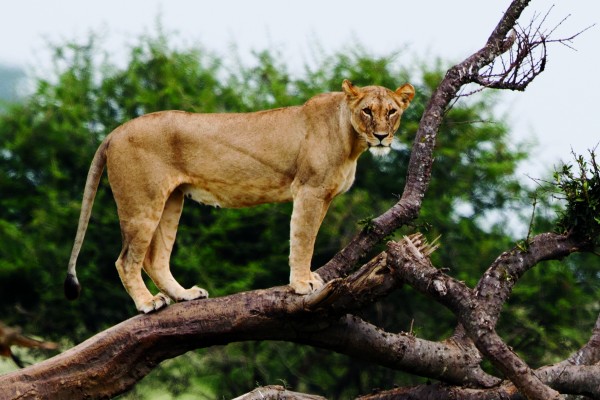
159, 301
193, 293
309, 285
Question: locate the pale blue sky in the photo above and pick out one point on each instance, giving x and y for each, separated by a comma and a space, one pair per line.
558, 109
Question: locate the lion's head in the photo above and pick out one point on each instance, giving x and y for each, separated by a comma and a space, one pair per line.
376, 112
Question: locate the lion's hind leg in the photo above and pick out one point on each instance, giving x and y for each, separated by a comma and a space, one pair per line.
136, 239
156, 263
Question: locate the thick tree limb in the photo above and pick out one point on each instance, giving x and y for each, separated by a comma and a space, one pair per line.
571, 379
480, 309
444, 392
120, 356
117, 358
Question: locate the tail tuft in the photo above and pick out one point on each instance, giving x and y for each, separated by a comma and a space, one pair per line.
72, 287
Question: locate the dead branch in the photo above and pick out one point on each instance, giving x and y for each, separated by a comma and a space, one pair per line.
276, 393
416, 269
10, 337
582, 381
590, 353
524, 57
444, 392
119, 357
414, 252
496, 284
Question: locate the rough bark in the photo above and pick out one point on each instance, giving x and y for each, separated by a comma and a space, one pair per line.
117, 358
277, 393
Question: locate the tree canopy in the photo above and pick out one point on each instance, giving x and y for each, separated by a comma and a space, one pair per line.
48, 139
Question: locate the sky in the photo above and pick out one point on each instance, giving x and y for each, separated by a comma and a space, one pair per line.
558, 110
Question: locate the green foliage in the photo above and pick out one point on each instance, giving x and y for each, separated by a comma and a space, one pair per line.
581, 192
48, 140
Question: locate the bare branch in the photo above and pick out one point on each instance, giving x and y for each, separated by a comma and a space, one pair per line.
420, 273
10, 337
119, 357
445, 392
571, 380
590, 353
525, 55
277, 393
496, 284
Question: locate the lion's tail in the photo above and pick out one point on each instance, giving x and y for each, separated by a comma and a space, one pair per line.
72, 287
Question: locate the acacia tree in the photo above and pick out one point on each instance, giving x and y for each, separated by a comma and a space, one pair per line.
120, 356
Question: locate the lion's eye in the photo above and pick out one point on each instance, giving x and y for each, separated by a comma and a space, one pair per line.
367, 111
392, 112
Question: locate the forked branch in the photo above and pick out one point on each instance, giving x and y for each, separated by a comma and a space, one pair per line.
417, 270
524, 57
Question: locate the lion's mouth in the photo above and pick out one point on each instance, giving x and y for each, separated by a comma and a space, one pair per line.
379, 150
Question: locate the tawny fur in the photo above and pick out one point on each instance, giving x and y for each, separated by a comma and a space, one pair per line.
306, 154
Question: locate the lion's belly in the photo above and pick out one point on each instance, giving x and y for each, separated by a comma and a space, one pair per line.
220, 194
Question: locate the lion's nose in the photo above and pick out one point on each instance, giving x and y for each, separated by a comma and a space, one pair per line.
380, 136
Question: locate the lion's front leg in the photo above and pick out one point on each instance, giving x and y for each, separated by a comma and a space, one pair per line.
307, 215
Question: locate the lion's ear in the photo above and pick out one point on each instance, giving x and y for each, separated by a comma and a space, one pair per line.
406, 93
350, 90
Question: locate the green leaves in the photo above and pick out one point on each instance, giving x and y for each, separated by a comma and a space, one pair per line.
581, 191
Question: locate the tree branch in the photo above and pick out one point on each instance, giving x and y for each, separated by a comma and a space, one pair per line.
525, 56
118, 357
416, 269
495, 286
443, 392
277, 393
575, 380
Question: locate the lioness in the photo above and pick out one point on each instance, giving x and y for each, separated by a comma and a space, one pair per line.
306, 154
